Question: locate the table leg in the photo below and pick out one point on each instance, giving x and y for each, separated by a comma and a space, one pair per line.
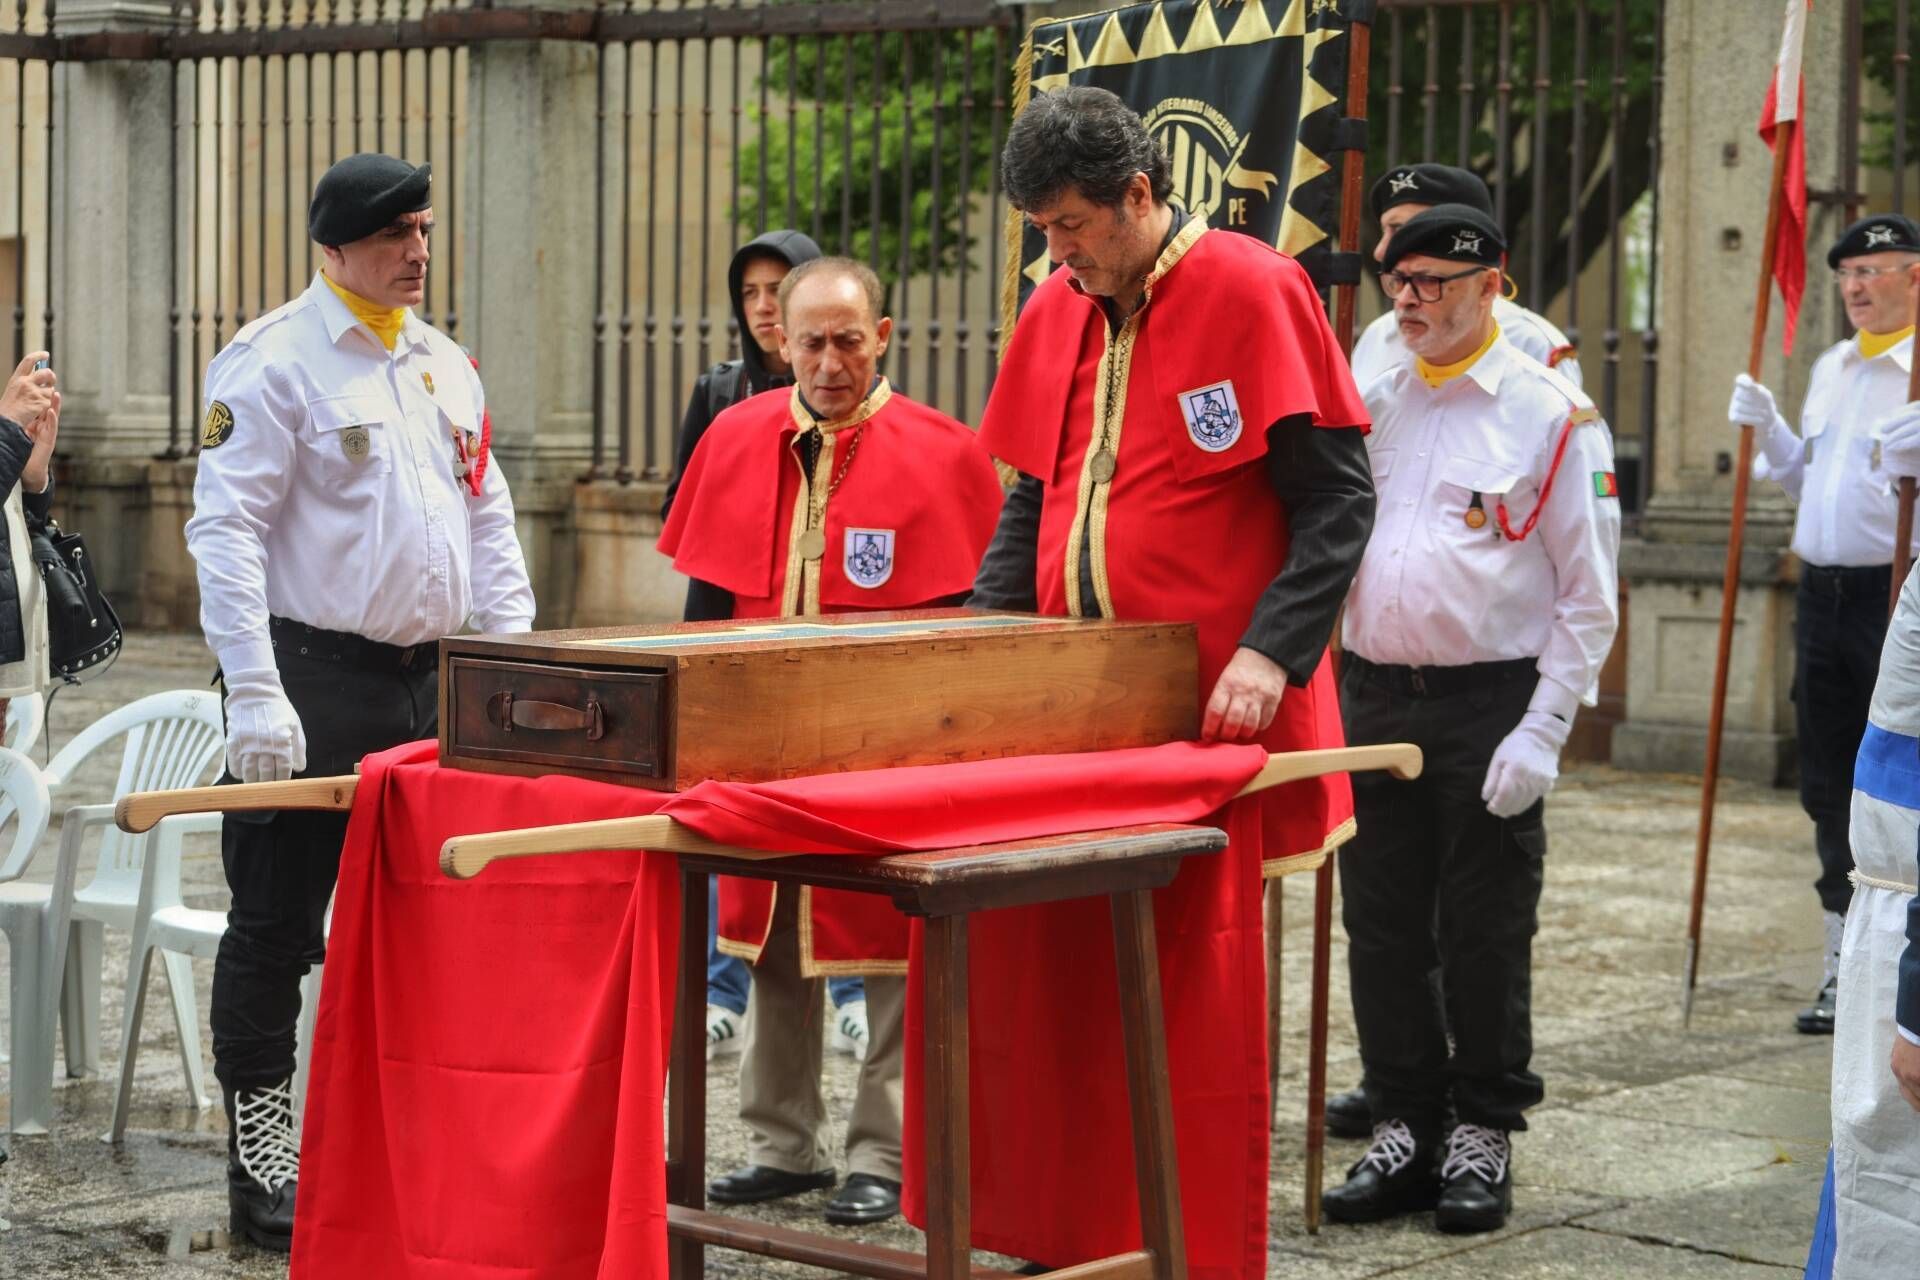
687, 1078
949, 1174
1155, 1157
1317, 1041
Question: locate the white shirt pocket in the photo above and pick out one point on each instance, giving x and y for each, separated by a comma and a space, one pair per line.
1452, 513
350, 436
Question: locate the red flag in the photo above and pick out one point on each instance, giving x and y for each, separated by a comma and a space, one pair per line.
1790, 240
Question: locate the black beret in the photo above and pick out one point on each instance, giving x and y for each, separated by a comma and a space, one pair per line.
1456, 232
364, 193
1881, 233
1429, 184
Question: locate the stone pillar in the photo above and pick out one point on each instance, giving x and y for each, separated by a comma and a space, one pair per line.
1713, 187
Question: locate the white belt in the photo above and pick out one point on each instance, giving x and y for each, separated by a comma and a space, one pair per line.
1874, 882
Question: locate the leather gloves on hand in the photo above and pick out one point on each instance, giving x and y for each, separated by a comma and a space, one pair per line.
265, 742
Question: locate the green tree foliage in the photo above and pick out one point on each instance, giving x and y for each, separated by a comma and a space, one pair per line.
918, 135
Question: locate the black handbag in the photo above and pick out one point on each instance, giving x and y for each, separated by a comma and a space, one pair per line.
83, 631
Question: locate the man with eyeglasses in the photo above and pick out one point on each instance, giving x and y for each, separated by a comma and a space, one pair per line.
1403, 193
1857, 437
1484, 607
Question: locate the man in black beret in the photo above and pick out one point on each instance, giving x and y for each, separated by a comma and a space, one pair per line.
345, 518
1406, 192
1857, 437
1484, 607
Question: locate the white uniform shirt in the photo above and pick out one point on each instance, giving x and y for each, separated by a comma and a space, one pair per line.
1381, 347
333, 499
1433, 591
1848, 505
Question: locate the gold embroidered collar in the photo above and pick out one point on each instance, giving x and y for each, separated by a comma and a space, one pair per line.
804, 420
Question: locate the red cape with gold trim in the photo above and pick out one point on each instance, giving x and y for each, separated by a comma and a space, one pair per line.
1231, 340
914, 508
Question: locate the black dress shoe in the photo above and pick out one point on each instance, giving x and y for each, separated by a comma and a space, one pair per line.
1476, 1181
1394, 1177
757, 1182
866, 1198
1348, 1115
1817, 1018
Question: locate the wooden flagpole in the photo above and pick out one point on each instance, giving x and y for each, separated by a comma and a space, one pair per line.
1730, 584
1903, 522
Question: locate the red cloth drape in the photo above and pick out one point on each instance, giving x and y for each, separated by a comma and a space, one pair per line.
489, 1061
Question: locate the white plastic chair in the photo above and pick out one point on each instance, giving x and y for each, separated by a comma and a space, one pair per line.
26, 717
172, 740
26, 920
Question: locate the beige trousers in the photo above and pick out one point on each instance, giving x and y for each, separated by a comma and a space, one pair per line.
780, 1096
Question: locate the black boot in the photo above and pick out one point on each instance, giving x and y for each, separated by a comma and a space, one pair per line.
1348, 1115
1394, 1177
1817, 1018
263, 1162
1476, 1180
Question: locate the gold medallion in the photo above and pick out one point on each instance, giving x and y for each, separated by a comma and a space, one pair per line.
1103, 466
813, 544
356, 443
1476, 518
428, 379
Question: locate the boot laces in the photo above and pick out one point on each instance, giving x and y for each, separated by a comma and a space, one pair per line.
263, 1135
1480, 1151
1393, 1147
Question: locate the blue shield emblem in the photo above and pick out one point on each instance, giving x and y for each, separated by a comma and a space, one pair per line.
1212, 415
869, 557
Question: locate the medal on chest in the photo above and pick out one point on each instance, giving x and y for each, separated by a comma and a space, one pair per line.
1477, 513
1102, 466
356, 443
813, 544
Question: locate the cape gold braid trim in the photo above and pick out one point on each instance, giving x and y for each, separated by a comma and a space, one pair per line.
875, 401
1016, 221
1309, 859
790, 585
811, 966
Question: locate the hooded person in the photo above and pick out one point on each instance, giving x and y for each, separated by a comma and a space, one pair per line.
753, 285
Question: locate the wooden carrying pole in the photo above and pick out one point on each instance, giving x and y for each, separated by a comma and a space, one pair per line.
464, 857
1903, 522
1730, 585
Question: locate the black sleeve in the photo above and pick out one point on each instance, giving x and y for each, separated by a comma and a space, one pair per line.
1322, 476
39, 505
1006, 576
698, 417
707, 603
16, 446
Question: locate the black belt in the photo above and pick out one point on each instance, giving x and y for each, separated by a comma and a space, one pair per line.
350, 650
1438, 682
1847, 582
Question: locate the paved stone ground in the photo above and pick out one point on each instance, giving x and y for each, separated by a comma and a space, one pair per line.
1657, 1153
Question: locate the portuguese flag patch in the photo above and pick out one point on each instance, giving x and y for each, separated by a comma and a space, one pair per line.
1605, 485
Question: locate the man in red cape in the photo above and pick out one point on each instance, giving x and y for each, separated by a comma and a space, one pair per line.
835, 496
1190, 447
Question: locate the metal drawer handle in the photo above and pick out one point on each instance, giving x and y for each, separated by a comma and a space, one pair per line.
510, 713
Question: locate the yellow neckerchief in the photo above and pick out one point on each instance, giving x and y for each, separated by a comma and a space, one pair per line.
384, 321
1437, 375
1873, 344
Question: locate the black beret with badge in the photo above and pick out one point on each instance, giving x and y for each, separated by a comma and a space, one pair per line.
1880, 233
1453, 232
1429, 184
363, 194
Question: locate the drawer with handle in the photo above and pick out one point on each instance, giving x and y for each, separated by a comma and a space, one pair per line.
559, 719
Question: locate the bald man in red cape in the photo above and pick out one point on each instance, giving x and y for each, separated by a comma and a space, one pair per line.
1191, 448
835, 496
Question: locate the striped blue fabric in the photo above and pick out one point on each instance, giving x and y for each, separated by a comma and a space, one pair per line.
1820, 1254
1888, 767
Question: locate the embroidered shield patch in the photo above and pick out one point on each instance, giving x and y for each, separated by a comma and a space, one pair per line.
1212, 414
869, 557
218, 426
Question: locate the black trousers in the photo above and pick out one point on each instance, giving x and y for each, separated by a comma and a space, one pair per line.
1440, 901
281, 865
1839, 625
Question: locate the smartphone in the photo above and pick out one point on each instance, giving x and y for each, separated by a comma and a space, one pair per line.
39, 365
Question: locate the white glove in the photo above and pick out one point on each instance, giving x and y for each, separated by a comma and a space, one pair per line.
1525, 764
1752, 405
1899, 437
265, 742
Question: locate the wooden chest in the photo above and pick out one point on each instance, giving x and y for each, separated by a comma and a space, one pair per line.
666, 706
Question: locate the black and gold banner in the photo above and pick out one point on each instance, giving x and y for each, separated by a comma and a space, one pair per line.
1247, 96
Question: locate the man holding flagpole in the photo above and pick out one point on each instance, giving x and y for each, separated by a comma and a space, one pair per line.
1857, 436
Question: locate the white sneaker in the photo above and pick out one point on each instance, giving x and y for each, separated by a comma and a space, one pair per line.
723, 1031
850, 1030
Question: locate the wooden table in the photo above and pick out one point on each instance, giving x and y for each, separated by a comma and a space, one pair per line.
943, 888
